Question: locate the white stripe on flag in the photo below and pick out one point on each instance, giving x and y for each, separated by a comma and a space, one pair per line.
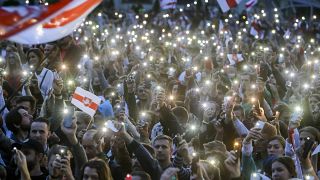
81, 105
83, 108
223, 5
168, 4
37, 34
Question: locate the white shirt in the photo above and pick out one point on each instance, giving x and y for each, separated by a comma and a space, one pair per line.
47, 81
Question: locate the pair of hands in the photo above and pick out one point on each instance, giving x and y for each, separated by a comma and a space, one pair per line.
254, 134
62, 166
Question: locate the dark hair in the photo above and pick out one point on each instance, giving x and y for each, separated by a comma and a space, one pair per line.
30, 99
42, 120
101, 167
311, 130
279, 138
14, 118
288, 163
239, 108
162, 137
54, 150
143, 175
38, 52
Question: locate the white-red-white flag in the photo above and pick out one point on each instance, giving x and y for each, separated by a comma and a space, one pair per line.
42, 24
226, 5
256, 30
168, 4
251, 3
86, 101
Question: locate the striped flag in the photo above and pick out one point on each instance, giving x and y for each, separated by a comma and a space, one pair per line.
168, 4
42, 24
86, 101
251, 3
226, 5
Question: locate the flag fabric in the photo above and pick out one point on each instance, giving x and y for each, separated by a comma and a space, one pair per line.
251, 3
234, 58
86, 101
256, 30
226, 5
168, 4
42, 24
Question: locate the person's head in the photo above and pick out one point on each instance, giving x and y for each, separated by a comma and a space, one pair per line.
33, 151
143, 92
239, 112
12, 58
83, 120
65, 42
50, 50
210, 109
163, 147
283, 168
140, 175
90, 142
309, 132
182, 115
53, 154
314, 105
284, 111
40, 130
275, 146
18, 119
35, 56
96, 169
28, 102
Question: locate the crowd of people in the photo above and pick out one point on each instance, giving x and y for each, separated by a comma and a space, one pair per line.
190, 93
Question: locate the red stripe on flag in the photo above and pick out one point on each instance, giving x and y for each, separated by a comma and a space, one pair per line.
91, 105
250, 4
51, 9
232, 3
70, 15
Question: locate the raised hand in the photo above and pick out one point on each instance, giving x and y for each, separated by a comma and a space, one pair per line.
232, 165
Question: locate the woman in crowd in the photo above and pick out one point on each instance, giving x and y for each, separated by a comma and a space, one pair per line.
96, 169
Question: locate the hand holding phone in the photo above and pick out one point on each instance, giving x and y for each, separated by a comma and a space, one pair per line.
68, 117
63, 152
237, 148
308, 144
110, 125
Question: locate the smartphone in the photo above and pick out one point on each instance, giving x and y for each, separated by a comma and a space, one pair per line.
259, 125
67, 120
288, 83
110, 125
296, 116
226, 101
63, 152
237, 147
307, 147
